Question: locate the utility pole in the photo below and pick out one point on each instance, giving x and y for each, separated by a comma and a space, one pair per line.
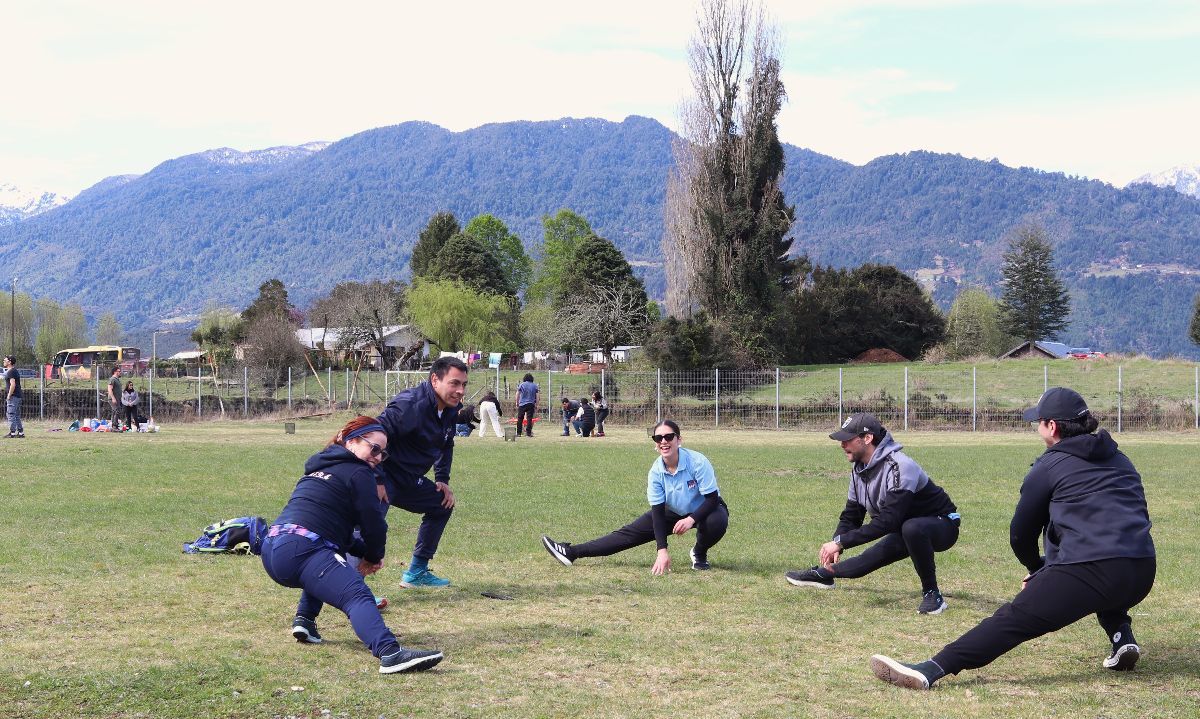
12, 325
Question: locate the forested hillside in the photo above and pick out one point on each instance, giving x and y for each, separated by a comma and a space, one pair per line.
209, 228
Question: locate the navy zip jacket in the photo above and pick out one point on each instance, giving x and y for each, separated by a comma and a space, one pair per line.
891, 487
417, 438
1085, 498
335, 495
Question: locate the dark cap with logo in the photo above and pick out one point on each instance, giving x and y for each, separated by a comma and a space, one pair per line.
1057, 403
857, 425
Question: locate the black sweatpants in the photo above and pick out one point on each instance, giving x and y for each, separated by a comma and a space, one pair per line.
641, 531
1055, 597
525, 418
918, 538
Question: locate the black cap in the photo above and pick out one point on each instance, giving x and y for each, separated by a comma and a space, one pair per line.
857, 425
1057, 403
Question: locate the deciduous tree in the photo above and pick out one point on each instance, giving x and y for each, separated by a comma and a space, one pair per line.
1194, 329
457, 317
23, 316
973, 326
59, 327
562, 233
272, 301
362, 311
515, 265
108, 330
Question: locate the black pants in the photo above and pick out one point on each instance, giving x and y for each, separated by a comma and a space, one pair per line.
641, 530
131, 416
601, 415
1055, 597
525, 412
918, 538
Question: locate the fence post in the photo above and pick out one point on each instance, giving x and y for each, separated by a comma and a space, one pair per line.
658, 394
906, 399
839, 396
42, 394
776, 398
199, 397
1197, 400
152, 386
717, 399
289, 389
96, 377
246, 391
346, 376
329, 388
1120, 392
974, 384
603, 392
549, 390
1045, 378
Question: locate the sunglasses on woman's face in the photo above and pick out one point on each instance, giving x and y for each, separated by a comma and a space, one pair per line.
668, 437
377, 451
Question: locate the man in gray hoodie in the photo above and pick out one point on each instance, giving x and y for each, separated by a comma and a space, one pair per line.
910, 515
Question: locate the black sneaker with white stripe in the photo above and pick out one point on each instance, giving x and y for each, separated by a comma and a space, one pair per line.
558, 550
699, 561
408, 660
932, 603
809, 578
305, 630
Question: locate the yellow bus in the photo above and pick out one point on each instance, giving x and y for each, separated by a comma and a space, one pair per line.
83, 362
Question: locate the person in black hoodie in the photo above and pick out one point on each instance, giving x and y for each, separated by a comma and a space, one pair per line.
1084, 497
306, 545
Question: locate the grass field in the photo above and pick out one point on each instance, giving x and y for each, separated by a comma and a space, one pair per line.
102, 616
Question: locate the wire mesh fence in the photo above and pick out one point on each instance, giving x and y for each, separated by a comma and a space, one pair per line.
1146, 396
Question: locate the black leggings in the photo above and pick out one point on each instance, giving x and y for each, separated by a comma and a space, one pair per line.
131, 416
641, 531
918, 538
601, 415
1055, 597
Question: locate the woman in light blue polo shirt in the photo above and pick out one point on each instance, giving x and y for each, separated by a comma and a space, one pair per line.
682, 491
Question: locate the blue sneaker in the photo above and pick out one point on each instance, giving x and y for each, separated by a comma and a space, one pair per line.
423, 578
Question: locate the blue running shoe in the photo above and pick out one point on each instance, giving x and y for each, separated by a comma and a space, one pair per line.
423, 578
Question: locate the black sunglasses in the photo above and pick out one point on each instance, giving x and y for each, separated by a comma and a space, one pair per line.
668, 437
377, 451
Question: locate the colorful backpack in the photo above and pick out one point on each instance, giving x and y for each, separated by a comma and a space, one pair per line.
240, 535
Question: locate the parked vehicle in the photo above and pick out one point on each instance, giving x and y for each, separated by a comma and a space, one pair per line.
83, 363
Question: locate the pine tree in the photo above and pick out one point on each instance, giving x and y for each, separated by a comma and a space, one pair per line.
442, 226
1035, 304
1194, 329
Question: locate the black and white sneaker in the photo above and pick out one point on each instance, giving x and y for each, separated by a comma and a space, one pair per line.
699, 561
558, 550
305, 630
902, 675
1123, 658
932, 603
409, 660
809, 578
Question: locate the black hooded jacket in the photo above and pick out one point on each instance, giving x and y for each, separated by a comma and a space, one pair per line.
1086, 499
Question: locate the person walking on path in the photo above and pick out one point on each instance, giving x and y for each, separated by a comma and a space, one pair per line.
306, 546
489, 412
601, 413
1085, 499
910, 515
682, 490
420, 425
114, 399
129, 400
527, 402
12, 394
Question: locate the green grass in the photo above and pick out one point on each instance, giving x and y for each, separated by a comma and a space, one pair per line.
102, 616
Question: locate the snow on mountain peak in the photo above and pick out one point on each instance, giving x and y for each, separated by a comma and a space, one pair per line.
271, 155
17, 203
1182, 178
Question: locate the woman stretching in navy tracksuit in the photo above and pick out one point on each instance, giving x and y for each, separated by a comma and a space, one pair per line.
306, 546
682, 490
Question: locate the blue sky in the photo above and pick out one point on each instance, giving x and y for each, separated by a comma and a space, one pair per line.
1099, 89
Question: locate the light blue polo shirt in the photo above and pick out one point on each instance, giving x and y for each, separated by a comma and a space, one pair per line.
683, 492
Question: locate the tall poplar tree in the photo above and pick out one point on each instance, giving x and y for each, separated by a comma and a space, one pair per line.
1035, 304
1194, 329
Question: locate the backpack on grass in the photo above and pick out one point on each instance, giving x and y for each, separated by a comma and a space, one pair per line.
240, 535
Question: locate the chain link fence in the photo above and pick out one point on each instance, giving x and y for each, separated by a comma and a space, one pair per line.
1145, 396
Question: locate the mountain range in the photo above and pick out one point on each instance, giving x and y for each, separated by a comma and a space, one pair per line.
208, 228
17, 203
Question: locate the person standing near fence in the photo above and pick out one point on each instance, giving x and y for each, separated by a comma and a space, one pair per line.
527, 402
129, 400
12, 393
114, 399
1085, 499
489, 412
910, 515
306, 546
420, 425
601, 412
682, 490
